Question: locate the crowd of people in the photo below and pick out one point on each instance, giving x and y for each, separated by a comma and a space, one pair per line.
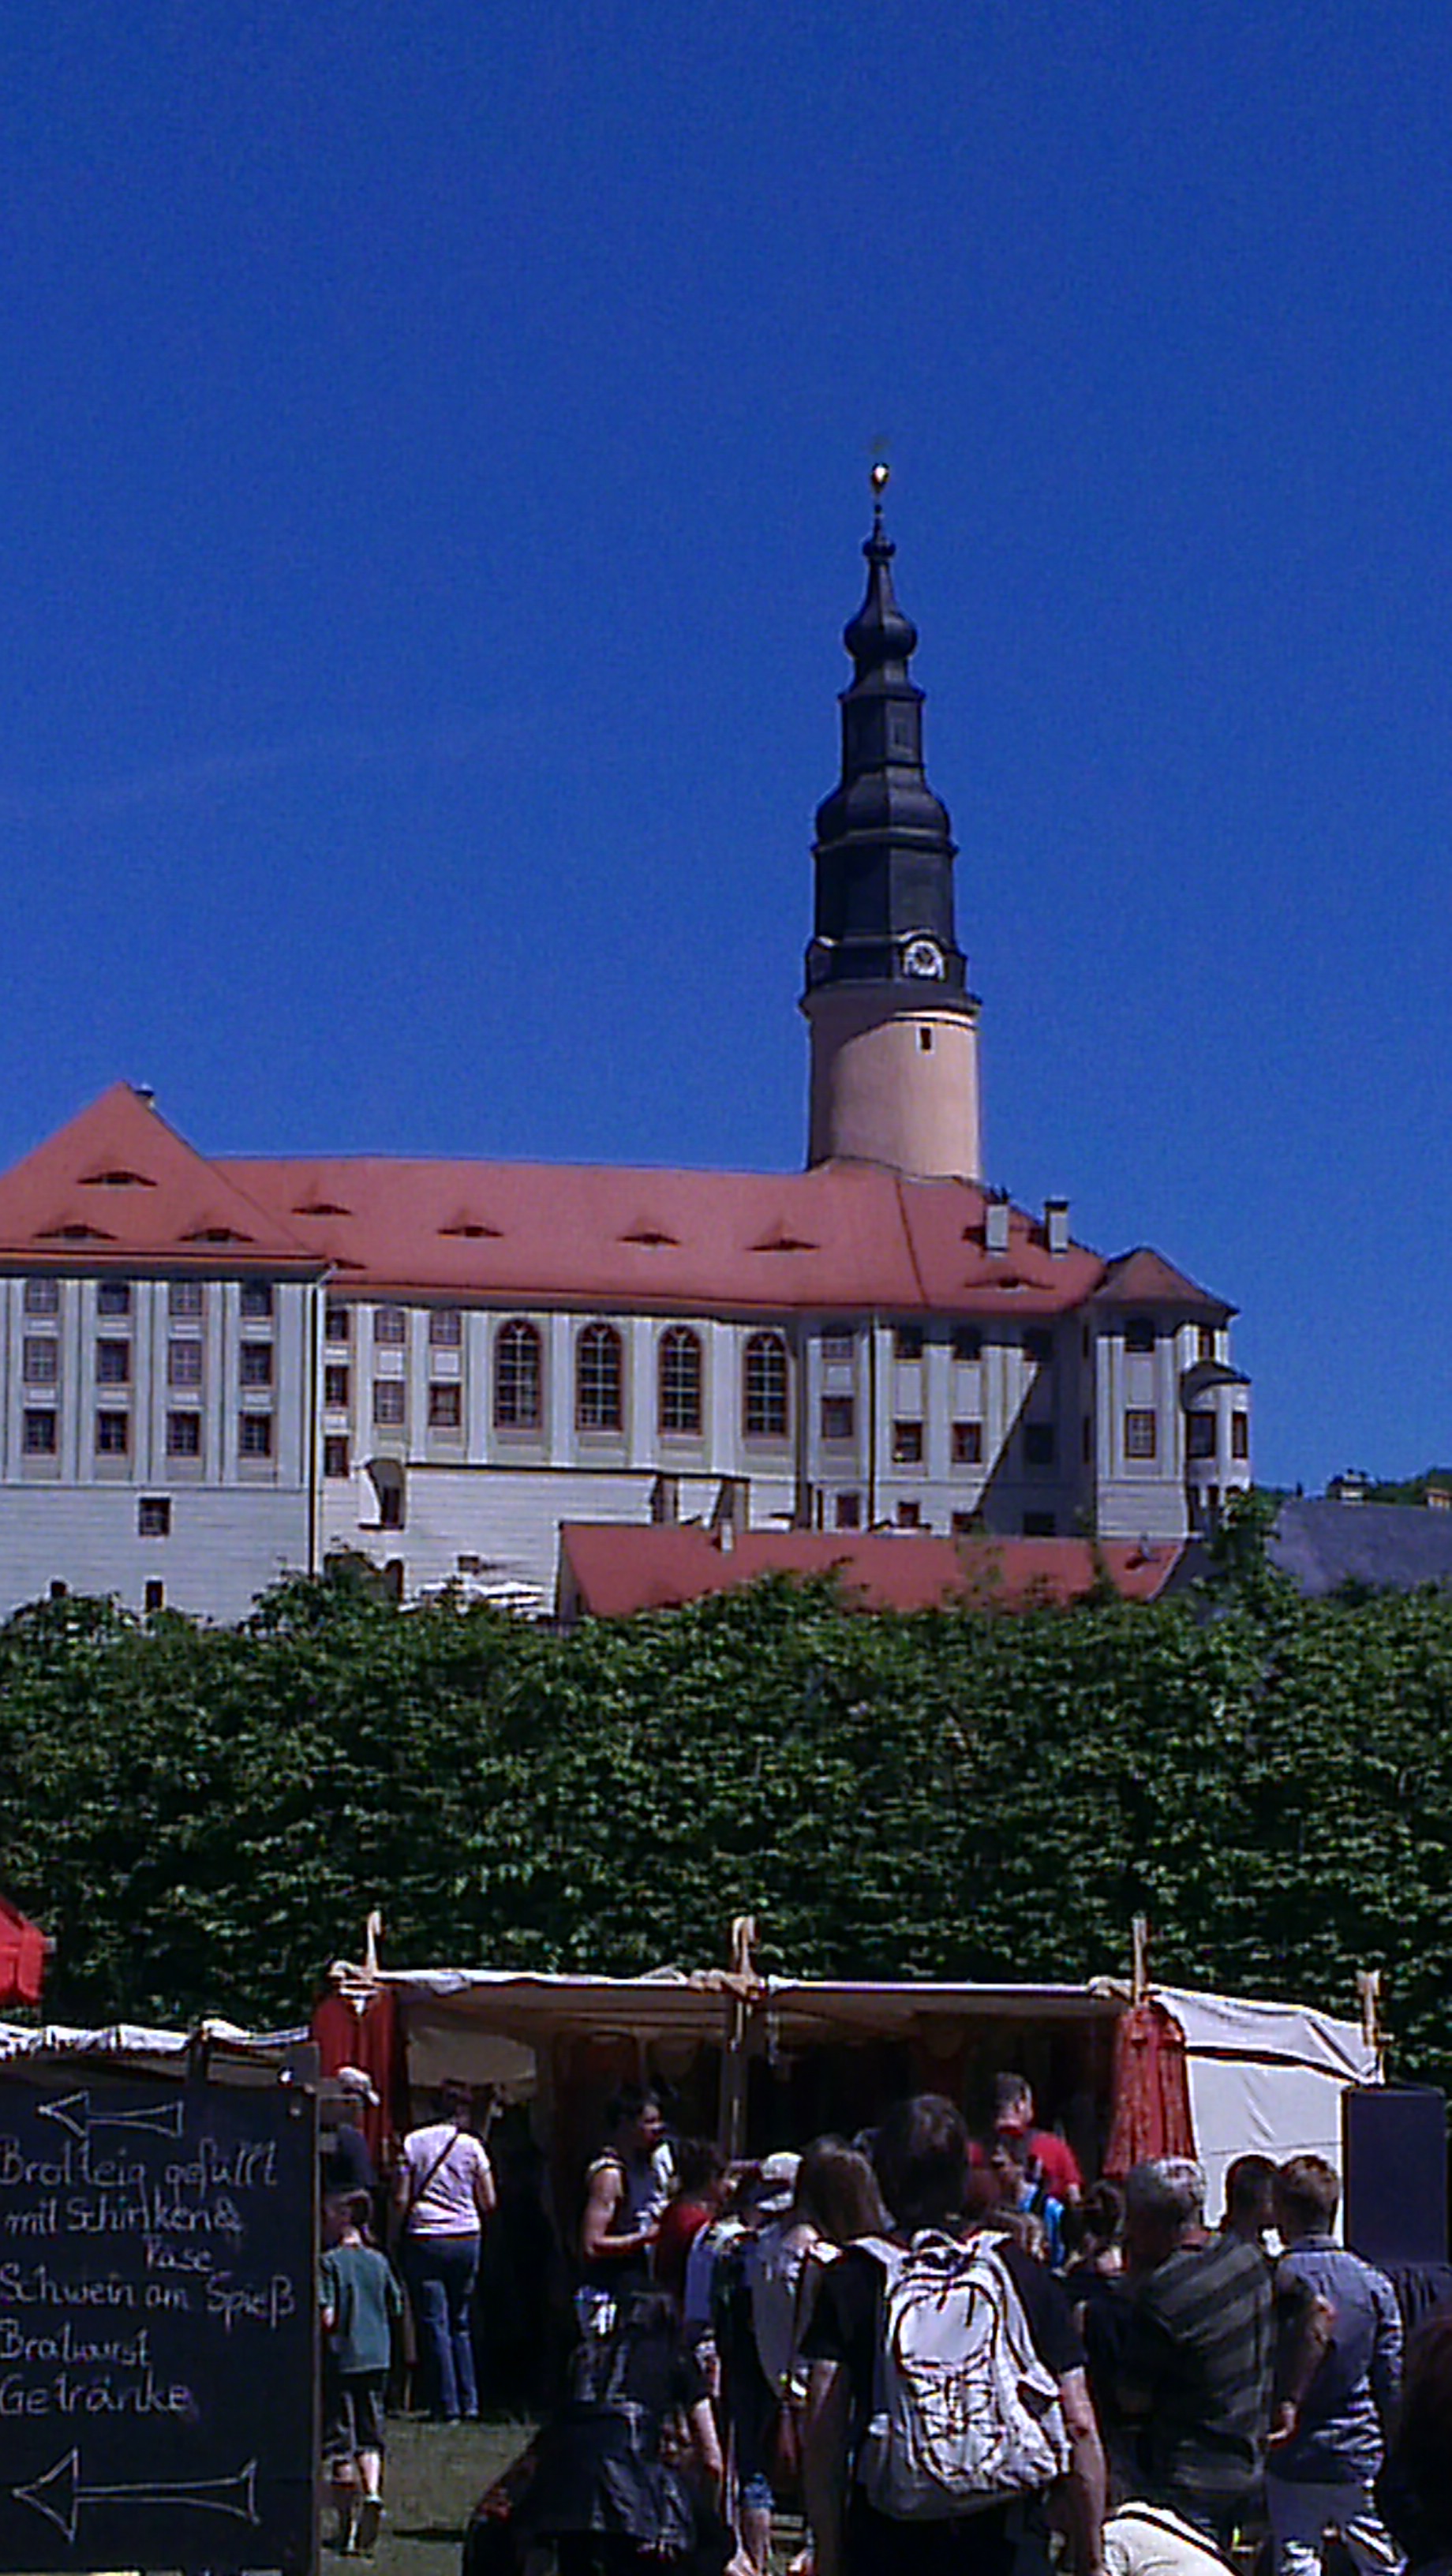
909, 2354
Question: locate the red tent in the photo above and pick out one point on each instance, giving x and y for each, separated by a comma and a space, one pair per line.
23, 1948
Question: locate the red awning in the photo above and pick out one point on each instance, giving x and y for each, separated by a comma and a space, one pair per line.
23, 1947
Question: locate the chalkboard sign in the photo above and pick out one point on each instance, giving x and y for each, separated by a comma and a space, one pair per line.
157, 2323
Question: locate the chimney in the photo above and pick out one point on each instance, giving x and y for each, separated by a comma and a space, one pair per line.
995, 1225
1056, 1224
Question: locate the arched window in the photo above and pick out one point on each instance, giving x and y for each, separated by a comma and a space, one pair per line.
764, 1387
518, 1377
680, 1380
598, 1376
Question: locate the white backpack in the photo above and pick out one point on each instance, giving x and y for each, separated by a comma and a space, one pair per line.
964, 2413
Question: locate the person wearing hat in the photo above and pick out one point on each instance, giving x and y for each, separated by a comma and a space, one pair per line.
347, 2164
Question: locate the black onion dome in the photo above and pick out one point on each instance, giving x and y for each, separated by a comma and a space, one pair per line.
880, 632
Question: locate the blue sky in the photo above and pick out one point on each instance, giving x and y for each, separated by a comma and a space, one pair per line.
436, 441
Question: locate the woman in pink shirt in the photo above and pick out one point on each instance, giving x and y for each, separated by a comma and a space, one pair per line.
442, 2193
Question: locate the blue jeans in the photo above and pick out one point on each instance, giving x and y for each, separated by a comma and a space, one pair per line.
440, 2272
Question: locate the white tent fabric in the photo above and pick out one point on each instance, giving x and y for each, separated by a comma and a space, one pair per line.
1266, 2079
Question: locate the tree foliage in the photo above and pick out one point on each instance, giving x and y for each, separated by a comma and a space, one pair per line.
202, 1815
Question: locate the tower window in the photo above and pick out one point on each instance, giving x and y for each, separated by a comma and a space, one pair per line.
1139, 1432
518, 1377
764, 1387
679, 1382
838, 1417
967, 1444
255, 1302
335, 1386
185, 1297
445, 1403
256, 1364
599, 1373
1200, 1436
1240, 1435
967, 1342
1139, 1333
390, 1398
390, 1326
907, 1341
337, 1323
925, 1041
335, 1455
907, 1444
446, 1326
42, 1297
113, 1297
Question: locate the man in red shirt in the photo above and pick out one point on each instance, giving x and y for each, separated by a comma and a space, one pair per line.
1050, 2159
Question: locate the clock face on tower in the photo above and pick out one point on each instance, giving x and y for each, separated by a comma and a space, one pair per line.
922, 956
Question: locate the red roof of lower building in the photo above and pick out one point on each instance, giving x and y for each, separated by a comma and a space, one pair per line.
613, 1570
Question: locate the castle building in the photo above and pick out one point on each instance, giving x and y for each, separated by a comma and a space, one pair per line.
215, 1371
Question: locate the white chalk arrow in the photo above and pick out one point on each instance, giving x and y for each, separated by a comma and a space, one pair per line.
60, 2494
74, 2112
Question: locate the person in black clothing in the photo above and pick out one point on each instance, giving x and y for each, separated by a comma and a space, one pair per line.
922, 2165
605, 2490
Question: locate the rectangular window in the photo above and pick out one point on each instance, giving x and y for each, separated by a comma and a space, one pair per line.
1139, 1432
909, 1515
446, 1328
838, 1417
907, 1342
113, 1297
1040, 1525
389, 1394
153, 1516
183, 1363
256, 1300
185, 1298
38, 1431
967, 1342
337, 1323
1038, 1347
1038, 1444
838, 1345
254, 1435
1240, 1435
967, 1444
849, 1511
1205, 1342
113, 1363
390, 1326
42, 1297
1200, 1436
1139, 1334
41, 1359
113, 1435
154, 1598
444, 1408
907, 1444
335, 1455
256, 1364
335, 1388
183, 1435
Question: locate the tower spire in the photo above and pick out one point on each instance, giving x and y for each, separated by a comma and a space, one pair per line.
894, 1027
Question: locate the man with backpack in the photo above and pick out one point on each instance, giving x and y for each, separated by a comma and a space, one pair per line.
947, 2396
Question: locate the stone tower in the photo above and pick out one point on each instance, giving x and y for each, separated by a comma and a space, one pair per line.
894, 1028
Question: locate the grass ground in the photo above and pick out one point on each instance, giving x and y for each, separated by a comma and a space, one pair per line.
434, 2476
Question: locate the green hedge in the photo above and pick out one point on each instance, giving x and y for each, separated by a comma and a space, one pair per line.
202, 1816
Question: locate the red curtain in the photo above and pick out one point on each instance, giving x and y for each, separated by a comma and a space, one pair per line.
346, 2037
1151, 2091
22, 1957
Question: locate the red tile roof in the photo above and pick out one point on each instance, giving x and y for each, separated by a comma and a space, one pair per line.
611, 1571
841, 1235
118, 1184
